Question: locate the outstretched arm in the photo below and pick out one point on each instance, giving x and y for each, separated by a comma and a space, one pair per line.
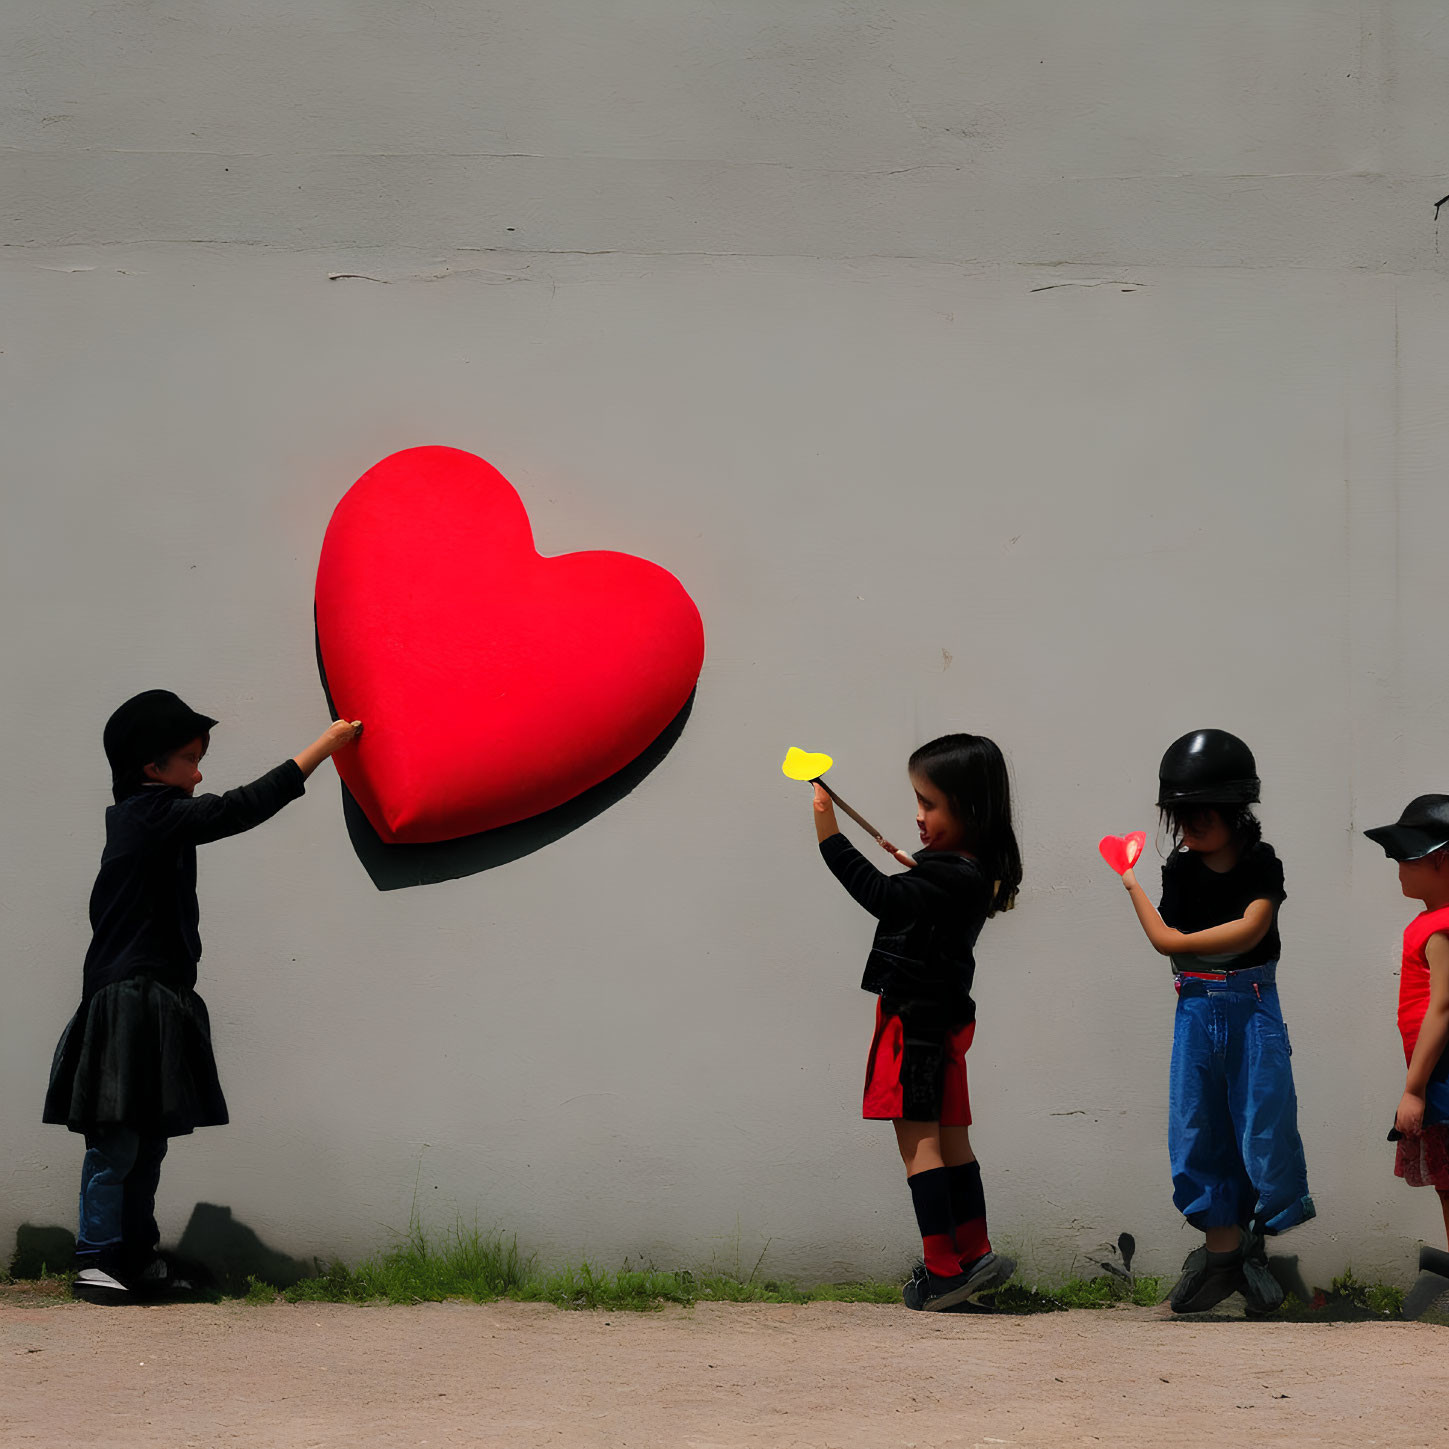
1433, 1038
340, 733
1231, 937
204, 818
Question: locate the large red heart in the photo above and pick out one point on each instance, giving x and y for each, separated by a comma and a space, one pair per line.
1121, 851
493, 683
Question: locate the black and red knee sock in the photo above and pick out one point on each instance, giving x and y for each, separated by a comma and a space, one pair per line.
931, 1196
951, 1214
968, 1212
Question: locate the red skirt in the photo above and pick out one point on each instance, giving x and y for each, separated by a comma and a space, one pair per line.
915, 1075
1423, 1161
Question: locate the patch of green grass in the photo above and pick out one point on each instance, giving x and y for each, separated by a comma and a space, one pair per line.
1379, 1299
1107, 1291
463, 1263
480, 1267
1347, 1300
588, 1287
259, 1292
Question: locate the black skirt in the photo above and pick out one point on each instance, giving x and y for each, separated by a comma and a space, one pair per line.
137, 1054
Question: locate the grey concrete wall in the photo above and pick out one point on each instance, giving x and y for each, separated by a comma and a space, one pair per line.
1070, 373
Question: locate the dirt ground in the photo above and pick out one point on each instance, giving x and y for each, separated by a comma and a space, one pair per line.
823, 1375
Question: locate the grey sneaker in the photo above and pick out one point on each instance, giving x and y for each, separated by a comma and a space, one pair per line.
1204, 1283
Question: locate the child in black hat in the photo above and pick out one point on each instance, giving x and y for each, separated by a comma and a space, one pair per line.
134, 1066
1238, 1170
1419, 842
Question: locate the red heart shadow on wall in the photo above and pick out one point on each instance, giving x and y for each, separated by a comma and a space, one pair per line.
495, 684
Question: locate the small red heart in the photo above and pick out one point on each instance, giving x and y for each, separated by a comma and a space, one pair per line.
1121, 852
493, 683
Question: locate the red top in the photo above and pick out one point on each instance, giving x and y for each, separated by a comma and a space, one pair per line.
1414, 975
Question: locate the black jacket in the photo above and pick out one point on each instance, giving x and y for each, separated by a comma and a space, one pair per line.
144, 913
922, 960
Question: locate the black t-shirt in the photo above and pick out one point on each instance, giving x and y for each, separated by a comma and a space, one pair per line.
1195, 897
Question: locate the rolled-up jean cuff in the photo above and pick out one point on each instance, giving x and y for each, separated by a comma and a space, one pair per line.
1297, 1212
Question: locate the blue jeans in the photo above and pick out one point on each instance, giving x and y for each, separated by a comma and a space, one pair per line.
1232, 1129
118, 1193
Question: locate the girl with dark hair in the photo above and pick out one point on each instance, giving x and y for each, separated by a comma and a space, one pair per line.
1238, 1171
135, 1067
921, 968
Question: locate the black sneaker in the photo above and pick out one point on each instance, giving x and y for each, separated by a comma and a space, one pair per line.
937, 1294
163, 1275
97, 1285
913, 1295
1262, 1292
1204, 1283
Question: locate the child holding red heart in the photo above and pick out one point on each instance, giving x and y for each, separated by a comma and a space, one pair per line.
1238, 1169
921, 967
134, 1066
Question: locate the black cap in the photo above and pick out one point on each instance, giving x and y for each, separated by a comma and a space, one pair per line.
143, 729
1422, 829
1208, 767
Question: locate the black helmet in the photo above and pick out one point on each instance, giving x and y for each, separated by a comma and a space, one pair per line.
1422, 829
143, 729
1207, 767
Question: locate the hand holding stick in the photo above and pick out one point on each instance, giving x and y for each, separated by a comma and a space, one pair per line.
809, 768
860, 820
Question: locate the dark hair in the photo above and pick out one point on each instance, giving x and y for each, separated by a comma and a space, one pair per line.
1242, 824
970, 771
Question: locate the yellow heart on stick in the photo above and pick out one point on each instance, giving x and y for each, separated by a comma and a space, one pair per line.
802, 766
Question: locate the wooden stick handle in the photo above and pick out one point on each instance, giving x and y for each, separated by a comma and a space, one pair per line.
860, 820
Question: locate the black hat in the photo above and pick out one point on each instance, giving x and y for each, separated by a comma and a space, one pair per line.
1208, 767
146, 727
1422, 829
